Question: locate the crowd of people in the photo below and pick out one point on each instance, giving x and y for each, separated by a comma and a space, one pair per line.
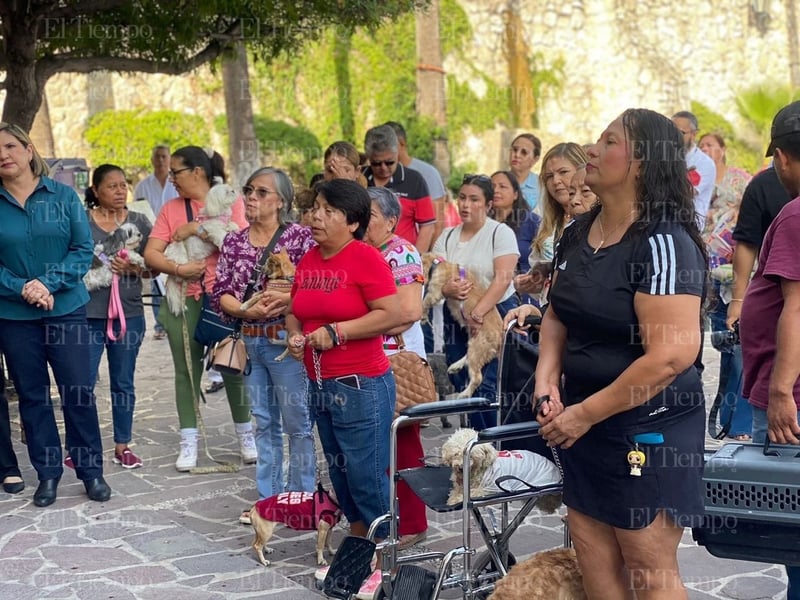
612, 244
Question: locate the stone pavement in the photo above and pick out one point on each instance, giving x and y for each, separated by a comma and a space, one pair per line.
165, 534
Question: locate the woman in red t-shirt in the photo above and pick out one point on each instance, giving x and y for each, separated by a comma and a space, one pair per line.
343, 299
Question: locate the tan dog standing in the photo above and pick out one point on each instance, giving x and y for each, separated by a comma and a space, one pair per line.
482, 347
549, 575
303, 511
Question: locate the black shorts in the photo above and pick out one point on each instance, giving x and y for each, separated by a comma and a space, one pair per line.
599, 484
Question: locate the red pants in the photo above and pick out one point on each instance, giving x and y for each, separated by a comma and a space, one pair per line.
412, 517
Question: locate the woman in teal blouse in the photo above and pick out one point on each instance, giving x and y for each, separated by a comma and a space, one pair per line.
45, 250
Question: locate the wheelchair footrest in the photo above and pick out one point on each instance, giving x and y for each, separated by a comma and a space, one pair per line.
350, 566
413, 583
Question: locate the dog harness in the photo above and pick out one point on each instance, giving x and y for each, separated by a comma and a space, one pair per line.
300, 510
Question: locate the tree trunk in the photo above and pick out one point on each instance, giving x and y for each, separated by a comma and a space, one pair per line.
244, 155
794, 52
24, 89
344, 89
431, 98
523, 104
42, 131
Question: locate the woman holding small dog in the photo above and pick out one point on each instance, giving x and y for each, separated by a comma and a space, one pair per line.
276, 387
107, 212
194, 171
488, 249
343, 299
628, 414
406, 265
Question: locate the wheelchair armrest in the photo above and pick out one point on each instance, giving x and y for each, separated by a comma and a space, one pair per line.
448, 407
508, 432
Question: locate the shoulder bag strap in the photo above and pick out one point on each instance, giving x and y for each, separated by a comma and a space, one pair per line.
251, 284
189, 215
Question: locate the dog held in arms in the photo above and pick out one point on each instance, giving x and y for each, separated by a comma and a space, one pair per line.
126, 236
279, 275
526, 469
215, 218
483, 347
549, 575
303, 511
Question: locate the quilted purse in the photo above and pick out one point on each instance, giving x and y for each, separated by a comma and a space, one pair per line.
413, 378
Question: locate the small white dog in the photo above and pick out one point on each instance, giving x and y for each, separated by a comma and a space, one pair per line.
217, 223
126, 236
488, 465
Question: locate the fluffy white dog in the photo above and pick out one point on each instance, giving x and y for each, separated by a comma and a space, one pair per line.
126, 236
216, 220
487, 465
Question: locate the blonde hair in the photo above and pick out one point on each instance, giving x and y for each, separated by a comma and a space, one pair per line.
37, 164
552, 212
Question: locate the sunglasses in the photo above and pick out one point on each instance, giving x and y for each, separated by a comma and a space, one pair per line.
469, 178
261, 193
378, 163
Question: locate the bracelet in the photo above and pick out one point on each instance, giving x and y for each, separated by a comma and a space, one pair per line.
339, 337
737, 299
332, 332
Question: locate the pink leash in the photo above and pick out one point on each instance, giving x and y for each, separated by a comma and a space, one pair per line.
115, 306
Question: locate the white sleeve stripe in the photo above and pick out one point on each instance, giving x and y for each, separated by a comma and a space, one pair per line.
662, 248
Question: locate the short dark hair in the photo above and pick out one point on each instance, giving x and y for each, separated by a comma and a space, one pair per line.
789, 145
483, 182
685, 114
399, 130
537, 143
350, 198
97, 178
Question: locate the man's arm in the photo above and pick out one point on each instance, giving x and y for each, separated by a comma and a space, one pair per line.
781, 406
744, 257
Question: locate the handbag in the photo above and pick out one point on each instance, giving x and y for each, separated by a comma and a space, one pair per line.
210, 327
413, 378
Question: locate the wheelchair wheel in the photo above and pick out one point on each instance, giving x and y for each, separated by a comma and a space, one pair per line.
484, 565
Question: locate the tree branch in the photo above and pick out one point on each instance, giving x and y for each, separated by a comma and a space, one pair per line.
73, 9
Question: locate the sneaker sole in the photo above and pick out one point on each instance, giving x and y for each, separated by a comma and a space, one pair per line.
185, 469
124, 466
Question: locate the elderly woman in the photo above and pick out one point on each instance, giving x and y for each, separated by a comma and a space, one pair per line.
194, 171
489, 249
406, 265
276, 388
630, 421
343, 299
45, 252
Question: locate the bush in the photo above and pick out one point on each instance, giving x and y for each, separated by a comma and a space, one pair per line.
127, 137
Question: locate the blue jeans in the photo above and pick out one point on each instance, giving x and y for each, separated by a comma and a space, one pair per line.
353, 425
455, 346
759, 435
156, 300
730, 375
63, 343
121, 368
277, 393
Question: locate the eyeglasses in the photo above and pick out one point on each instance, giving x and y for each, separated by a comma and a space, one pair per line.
378, 163
261, 193
469, 178
175, 172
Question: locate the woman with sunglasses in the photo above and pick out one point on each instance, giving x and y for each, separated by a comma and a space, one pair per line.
489, 250
276, 388
194, 171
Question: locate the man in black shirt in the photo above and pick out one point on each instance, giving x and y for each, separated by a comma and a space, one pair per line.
762, 201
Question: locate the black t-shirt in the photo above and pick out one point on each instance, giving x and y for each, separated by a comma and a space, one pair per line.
593, 297
763, 199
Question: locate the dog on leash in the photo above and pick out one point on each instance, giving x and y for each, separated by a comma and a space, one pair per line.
549, 575
127, 236
483, 346
216, 221
303, 511
279, 273
525, 469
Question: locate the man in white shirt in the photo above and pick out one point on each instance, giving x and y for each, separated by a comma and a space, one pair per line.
702, 172
157, 189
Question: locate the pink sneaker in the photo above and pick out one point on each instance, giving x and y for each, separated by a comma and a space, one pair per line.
68, 462
370, 587
127, 460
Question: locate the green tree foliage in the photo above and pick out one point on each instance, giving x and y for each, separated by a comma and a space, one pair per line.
126, 138
758, 105
43, 37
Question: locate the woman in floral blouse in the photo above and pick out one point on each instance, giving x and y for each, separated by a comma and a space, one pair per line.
276, 388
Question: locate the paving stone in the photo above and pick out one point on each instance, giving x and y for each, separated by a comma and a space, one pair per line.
753, 588
22, 542
221, 562
171, 543
18, 569
91, 590
18, 591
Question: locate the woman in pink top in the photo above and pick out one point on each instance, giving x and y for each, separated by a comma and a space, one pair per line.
194, 171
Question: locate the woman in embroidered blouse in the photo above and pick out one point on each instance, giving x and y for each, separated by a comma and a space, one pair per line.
406, 265
276, 387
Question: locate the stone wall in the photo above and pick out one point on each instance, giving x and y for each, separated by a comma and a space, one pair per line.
618, 53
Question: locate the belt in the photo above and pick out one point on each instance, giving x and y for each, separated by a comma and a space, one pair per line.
270, 331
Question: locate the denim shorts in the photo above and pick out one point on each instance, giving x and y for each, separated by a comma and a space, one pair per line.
353, 421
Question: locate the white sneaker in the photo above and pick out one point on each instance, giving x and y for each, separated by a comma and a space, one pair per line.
247, 448
187, 460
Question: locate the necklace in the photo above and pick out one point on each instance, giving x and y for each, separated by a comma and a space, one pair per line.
105, 212
603, 235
